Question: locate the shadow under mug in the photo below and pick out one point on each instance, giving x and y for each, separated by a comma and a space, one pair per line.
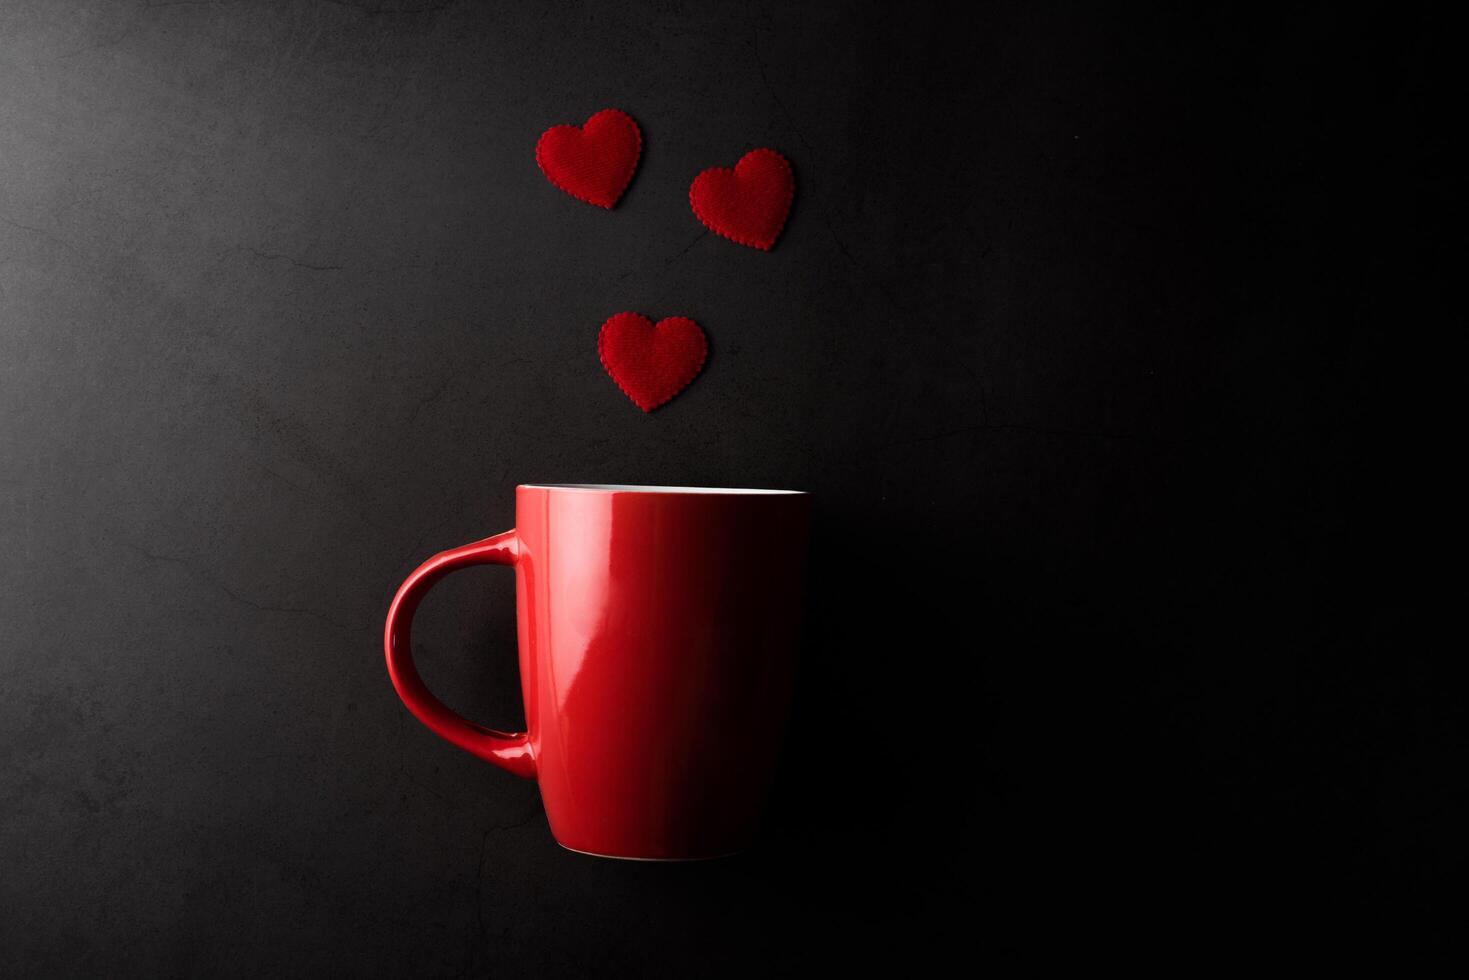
658, 632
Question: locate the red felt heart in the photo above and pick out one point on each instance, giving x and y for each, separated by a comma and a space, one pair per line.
593, 162
651, 363
748, 204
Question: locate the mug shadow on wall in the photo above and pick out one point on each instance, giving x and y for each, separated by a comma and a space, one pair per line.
882, 698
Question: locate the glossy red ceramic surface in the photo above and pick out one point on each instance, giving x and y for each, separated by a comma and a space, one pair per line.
658, 630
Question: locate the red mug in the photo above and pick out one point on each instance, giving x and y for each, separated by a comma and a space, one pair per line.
658, 632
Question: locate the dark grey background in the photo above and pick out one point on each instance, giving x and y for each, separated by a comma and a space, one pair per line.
1111, 631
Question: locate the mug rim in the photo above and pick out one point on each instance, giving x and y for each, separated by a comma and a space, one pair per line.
668, 491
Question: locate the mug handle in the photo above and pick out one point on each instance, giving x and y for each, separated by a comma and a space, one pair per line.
505, 749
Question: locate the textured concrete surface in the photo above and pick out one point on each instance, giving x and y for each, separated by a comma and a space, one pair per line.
286, 307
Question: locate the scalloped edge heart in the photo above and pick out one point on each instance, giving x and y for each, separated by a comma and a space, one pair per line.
651, 377
556, 174
729, 210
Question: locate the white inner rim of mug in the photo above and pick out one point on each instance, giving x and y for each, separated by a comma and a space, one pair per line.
628, 488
